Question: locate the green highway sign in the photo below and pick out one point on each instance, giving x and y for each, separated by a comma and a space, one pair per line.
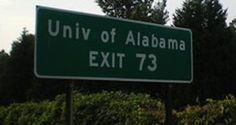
72, 45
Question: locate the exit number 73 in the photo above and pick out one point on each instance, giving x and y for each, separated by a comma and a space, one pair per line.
152, 66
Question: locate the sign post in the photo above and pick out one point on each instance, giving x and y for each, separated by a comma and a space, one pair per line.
73, 45
69, 103
168, 105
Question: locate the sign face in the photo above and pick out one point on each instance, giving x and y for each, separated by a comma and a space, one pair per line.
72, 45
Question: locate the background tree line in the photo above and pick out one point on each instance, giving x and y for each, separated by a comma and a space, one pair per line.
213, 45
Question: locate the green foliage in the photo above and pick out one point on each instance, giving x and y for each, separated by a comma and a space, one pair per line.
3, 64
117, 108
17, 68
109, 108
160, 14
29, 114
233, 23
98, 109
222, 112
144, 10
2, 114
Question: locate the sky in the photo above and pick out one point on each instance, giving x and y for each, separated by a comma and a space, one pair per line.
16, 14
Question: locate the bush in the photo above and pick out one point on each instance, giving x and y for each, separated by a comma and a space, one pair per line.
117, 108
98, 109
29, 114
221, 112
108, 108
2, 114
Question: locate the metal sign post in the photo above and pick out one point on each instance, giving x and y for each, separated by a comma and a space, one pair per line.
69, 103
168, 105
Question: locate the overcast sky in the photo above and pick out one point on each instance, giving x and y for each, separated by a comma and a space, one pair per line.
16, 14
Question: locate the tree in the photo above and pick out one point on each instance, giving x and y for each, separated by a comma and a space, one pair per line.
142, 10
20, 83
233, 23
232, 51
207, 20
160, 14
19, 70
3, 64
